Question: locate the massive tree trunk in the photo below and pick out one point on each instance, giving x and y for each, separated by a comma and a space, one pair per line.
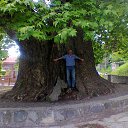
38, 73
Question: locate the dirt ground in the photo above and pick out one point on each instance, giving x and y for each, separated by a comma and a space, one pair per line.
4, 89
120, 90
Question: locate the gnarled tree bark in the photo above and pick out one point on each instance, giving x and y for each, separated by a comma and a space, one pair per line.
38, 73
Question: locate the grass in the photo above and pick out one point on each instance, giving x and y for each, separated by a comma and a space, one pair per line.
121, 71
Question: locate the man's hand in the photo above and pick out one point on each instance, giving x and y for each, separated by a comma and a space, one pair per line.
82, 60
55, 60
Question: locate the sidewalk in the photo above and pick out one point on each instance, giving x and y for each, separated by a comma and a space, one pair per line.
119, 120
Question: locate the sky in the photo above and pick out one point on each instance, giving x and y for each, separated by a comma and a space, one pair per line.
47, 1
14, 51
35, 0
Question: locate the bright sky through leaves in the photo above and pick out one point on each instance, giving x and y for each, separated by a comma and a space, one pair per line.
35, 0
14, 51
46, 1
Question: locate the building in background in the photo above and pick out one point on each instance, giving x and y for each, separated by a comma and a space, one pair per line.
8, 66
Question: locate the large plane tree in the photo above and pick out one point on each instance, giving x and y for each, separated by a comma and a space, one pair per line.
45, 31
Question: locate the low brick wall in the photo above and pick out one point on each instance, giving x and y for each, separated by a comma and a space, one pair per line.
56, 116
117, 79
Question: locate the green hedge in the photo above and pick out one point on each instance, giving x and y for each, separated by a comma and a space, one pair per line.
2, 73
121, 71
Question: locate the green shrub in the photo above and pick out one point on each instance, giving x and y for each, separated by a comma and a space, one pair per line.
121, 71
2, 72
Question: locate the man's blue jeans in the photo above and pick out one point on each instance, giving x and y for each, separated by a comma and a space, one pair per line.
71, 76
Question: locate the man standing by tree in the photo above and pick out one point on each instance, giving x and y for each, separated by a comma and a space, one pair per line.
70, 67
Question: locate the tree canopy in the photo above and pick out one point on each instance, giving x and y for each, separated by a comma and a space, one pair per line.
79, 24
103, 22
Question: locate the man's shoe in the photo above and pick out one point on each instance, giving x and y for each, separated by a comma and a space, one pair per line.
69, 90
75, 89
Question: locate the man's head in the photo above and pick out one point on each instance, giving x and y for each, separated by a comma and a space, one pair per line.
70, 52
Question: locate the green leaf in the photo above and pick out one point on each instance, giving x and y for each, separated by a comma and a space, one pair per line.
73, 33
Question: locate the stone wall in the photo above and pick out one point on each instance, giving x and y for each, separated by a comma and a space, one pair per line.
117, 79
56, 116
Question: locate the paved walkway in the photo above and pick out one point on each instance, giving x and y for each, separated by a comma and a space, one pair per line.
119, 120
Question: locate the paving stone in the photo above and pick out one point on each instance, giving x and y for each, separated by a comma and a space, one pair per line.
48, 120
48, 117
83, 110
1, 117
20, 116
123, 119
116, 125
69, 126
33, 116
107, 105
97, 108
7, 117
69, 113
9, 127
59, 116
54, 127
125, 124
